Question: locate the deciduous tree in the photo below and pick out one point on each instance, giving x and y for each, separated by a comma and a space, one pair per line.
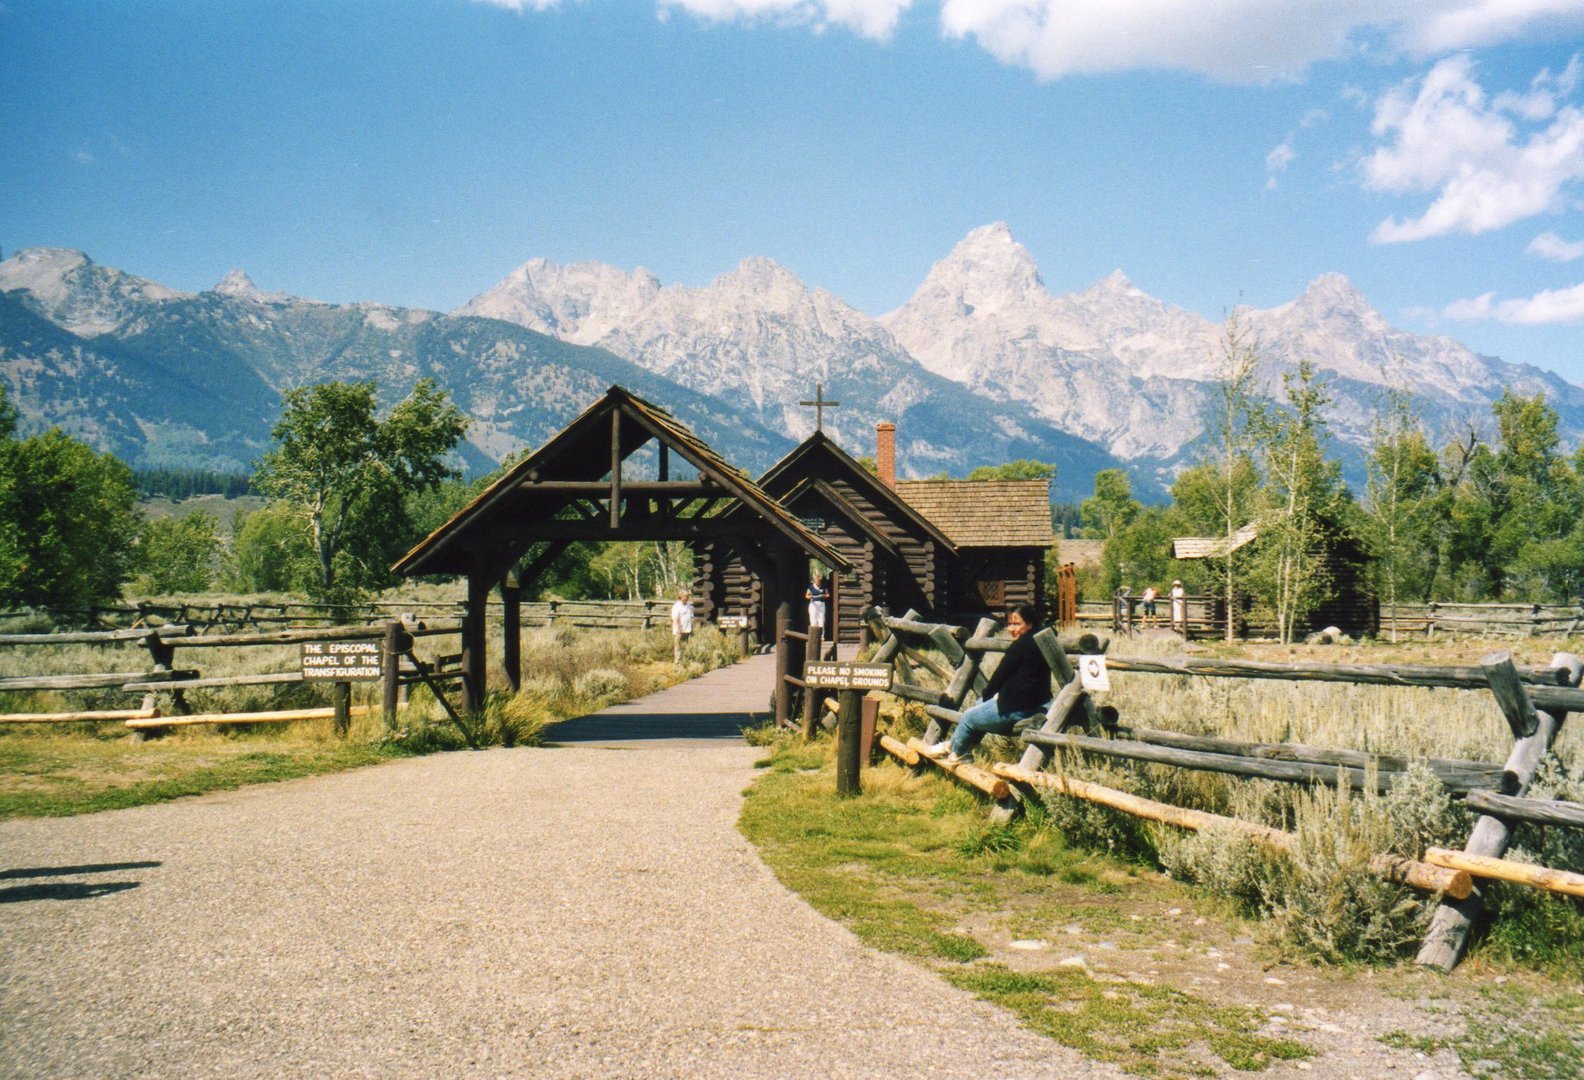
345, 472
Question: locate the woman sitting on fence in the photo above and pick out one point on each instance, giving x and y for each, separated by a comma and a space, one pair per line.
1019, 689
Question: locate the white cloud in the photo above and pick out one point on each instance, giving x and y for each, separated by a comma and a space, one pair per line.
1487, 171
1238, 40
868, 18
1548, 245
520, 5
1542, 309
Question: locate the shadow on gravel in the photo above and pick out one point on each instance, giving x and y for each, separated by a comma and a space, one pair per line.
634, 727
64, 871
68, 890
64, 890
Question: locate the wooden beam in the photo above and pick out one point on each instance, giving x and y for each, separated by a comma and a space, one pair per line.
275, 717
899, 750
596, 489
86, 716
1540, 811
1539, 877
1455, 774
1289, 771
972, 775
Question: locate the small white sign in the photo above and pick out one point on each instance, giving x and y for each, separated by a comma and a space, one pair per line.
732, 622
1092, 672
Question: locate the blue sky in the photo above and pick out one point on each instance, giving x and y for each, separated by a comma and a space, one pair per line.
1217, 151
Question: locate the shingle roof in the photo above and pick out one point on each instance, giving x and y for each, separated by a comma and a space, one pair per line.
1211, 547
985, 513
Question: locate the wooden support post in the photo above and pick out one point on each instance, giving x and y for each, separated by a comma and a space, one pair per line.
1056, 656
511, 630
1036, 757
615, 470
341, 701
1510, 694
474, 634
811, 697
390, 672
1443, 945
849, 762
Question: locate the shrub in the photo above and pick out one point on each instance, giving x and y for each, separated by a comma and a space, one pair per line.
600, 684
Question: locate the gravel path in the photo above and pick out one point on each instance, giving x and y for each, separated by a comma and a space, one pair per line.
587, 910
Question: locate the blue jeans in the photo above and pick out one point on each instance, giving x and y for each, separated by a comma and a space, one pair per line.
986, 718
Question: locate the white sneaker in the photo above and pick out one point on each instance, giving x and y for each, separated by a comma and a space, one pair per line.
953, 759
937, 749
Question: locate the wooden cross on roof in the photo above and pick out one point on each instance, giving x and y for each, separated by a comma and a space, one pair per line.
819, 405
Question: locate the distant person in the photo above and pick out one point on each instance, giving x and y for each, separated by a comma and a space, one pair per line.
681, 624
1148, 598
1179, 608
1019, 689
815, 594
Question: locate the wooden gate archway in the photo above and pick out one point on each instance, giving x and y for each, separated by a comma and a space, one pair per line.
624, 469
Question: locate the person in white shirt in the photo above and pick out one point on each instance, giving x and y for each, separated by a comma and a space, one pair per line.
681, 624
1179, 608
816, 604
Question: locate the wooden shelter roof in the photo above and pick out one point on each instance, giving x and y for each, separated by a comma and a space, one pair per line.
985, 513
1211, 547
573, 488
782, 478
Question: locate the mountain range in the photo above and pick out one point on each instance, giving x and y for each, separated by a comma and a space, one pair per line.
983, 364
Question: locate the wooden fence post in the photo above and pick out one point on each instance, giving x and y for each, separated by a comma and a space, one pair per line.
1443, 945
849, 762
390, 672
811, 697
341, 699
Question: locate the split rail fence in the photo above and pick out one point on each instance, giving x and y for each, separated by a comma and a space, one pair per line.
940, 667
237, 617
163, 686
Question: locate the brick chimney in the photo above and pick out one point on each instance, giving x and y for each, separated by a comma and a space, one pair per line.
885, 453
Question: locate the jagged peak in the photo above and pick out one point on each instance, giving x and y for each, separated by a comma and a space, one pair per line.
1333, 290
759, 274
1115, 283
988, 262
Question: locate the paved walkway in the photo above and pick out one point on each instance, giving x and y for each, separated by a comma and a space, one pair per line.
582, 910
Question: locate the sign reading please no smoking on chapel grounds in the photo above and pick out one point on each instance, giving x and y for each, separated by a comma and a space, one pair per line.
341, 661
847, 675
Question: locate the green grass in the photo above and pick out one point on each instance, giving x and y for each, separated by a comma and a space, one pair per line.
55, 777
912, 860
1148, 1030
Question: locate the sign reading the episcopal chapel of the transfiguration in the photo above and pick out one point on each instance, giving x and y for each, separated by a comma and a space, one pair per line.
341, 661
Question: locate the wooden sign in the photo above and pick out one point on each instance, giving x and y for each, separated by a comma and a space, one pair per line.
732, 622
847, 675
341, 661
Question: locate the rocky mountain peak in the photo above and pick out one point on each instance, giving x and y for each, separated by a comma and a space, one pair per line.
988, 269
238, 286
67, 287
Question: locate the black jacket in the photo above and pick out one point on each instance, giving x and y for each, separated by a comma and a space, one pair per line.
1022, 682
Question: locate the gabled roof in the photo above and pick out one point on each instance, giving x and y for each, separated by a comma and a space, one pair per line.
1211, 547
844, 506
985, 513
782, 477
524, 505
